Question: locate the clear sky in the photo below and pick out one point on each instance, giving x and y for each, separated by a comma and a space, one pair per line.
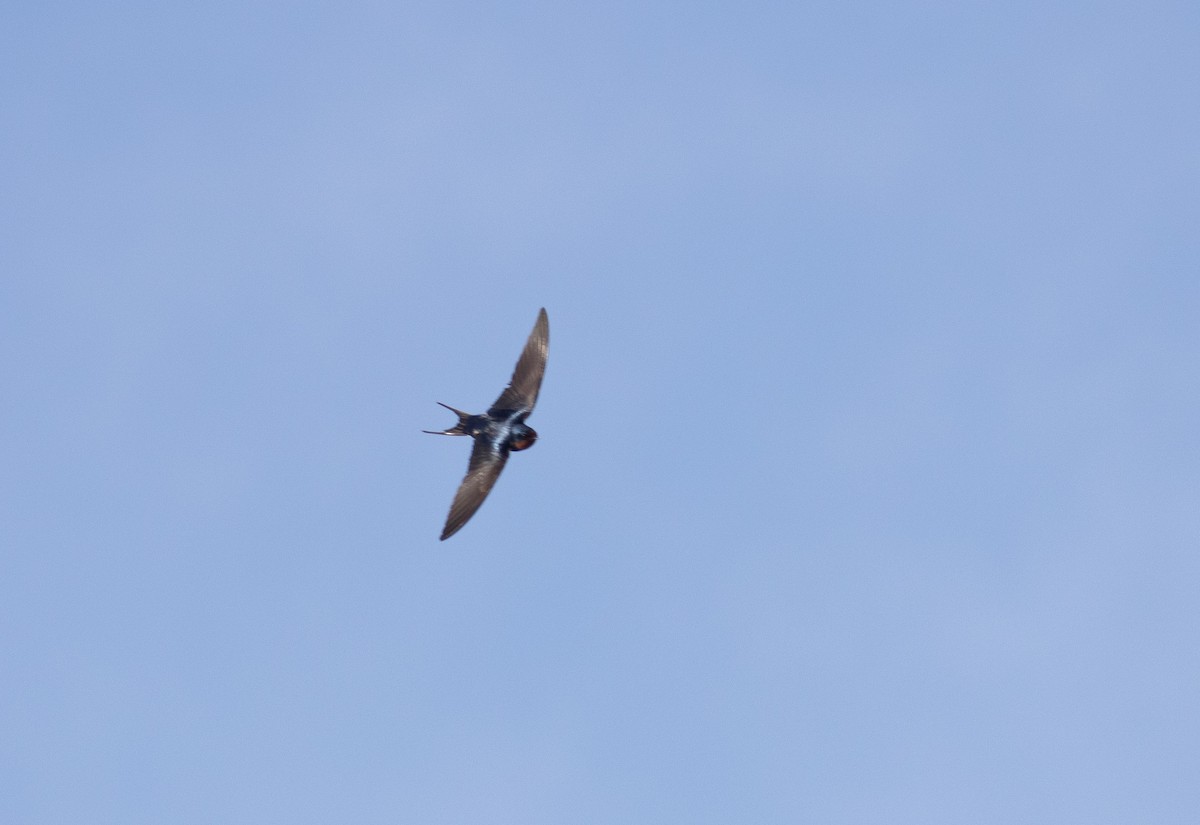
868, 488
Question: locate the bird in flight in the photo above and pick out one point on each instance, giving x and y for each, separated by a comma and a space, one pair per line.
500, 430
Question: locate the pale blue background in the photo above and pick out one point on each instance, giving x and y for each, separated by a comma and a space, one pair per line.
868, 483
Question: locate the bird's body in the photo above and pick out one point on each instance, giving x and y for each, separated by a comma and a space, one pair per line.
499, 431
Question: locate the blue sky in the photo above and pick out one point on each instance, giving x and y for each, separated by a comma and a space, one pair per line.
868, 472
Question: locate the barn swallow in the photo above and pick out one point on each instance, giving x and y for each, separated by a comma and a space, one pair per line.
500, 430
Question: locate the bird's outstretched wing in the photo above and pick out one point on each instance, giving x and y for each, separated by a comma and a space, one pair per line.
487, 461
522, 391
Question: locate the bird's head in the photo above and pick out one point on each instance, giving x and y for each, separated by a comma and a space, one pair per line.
522, 438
